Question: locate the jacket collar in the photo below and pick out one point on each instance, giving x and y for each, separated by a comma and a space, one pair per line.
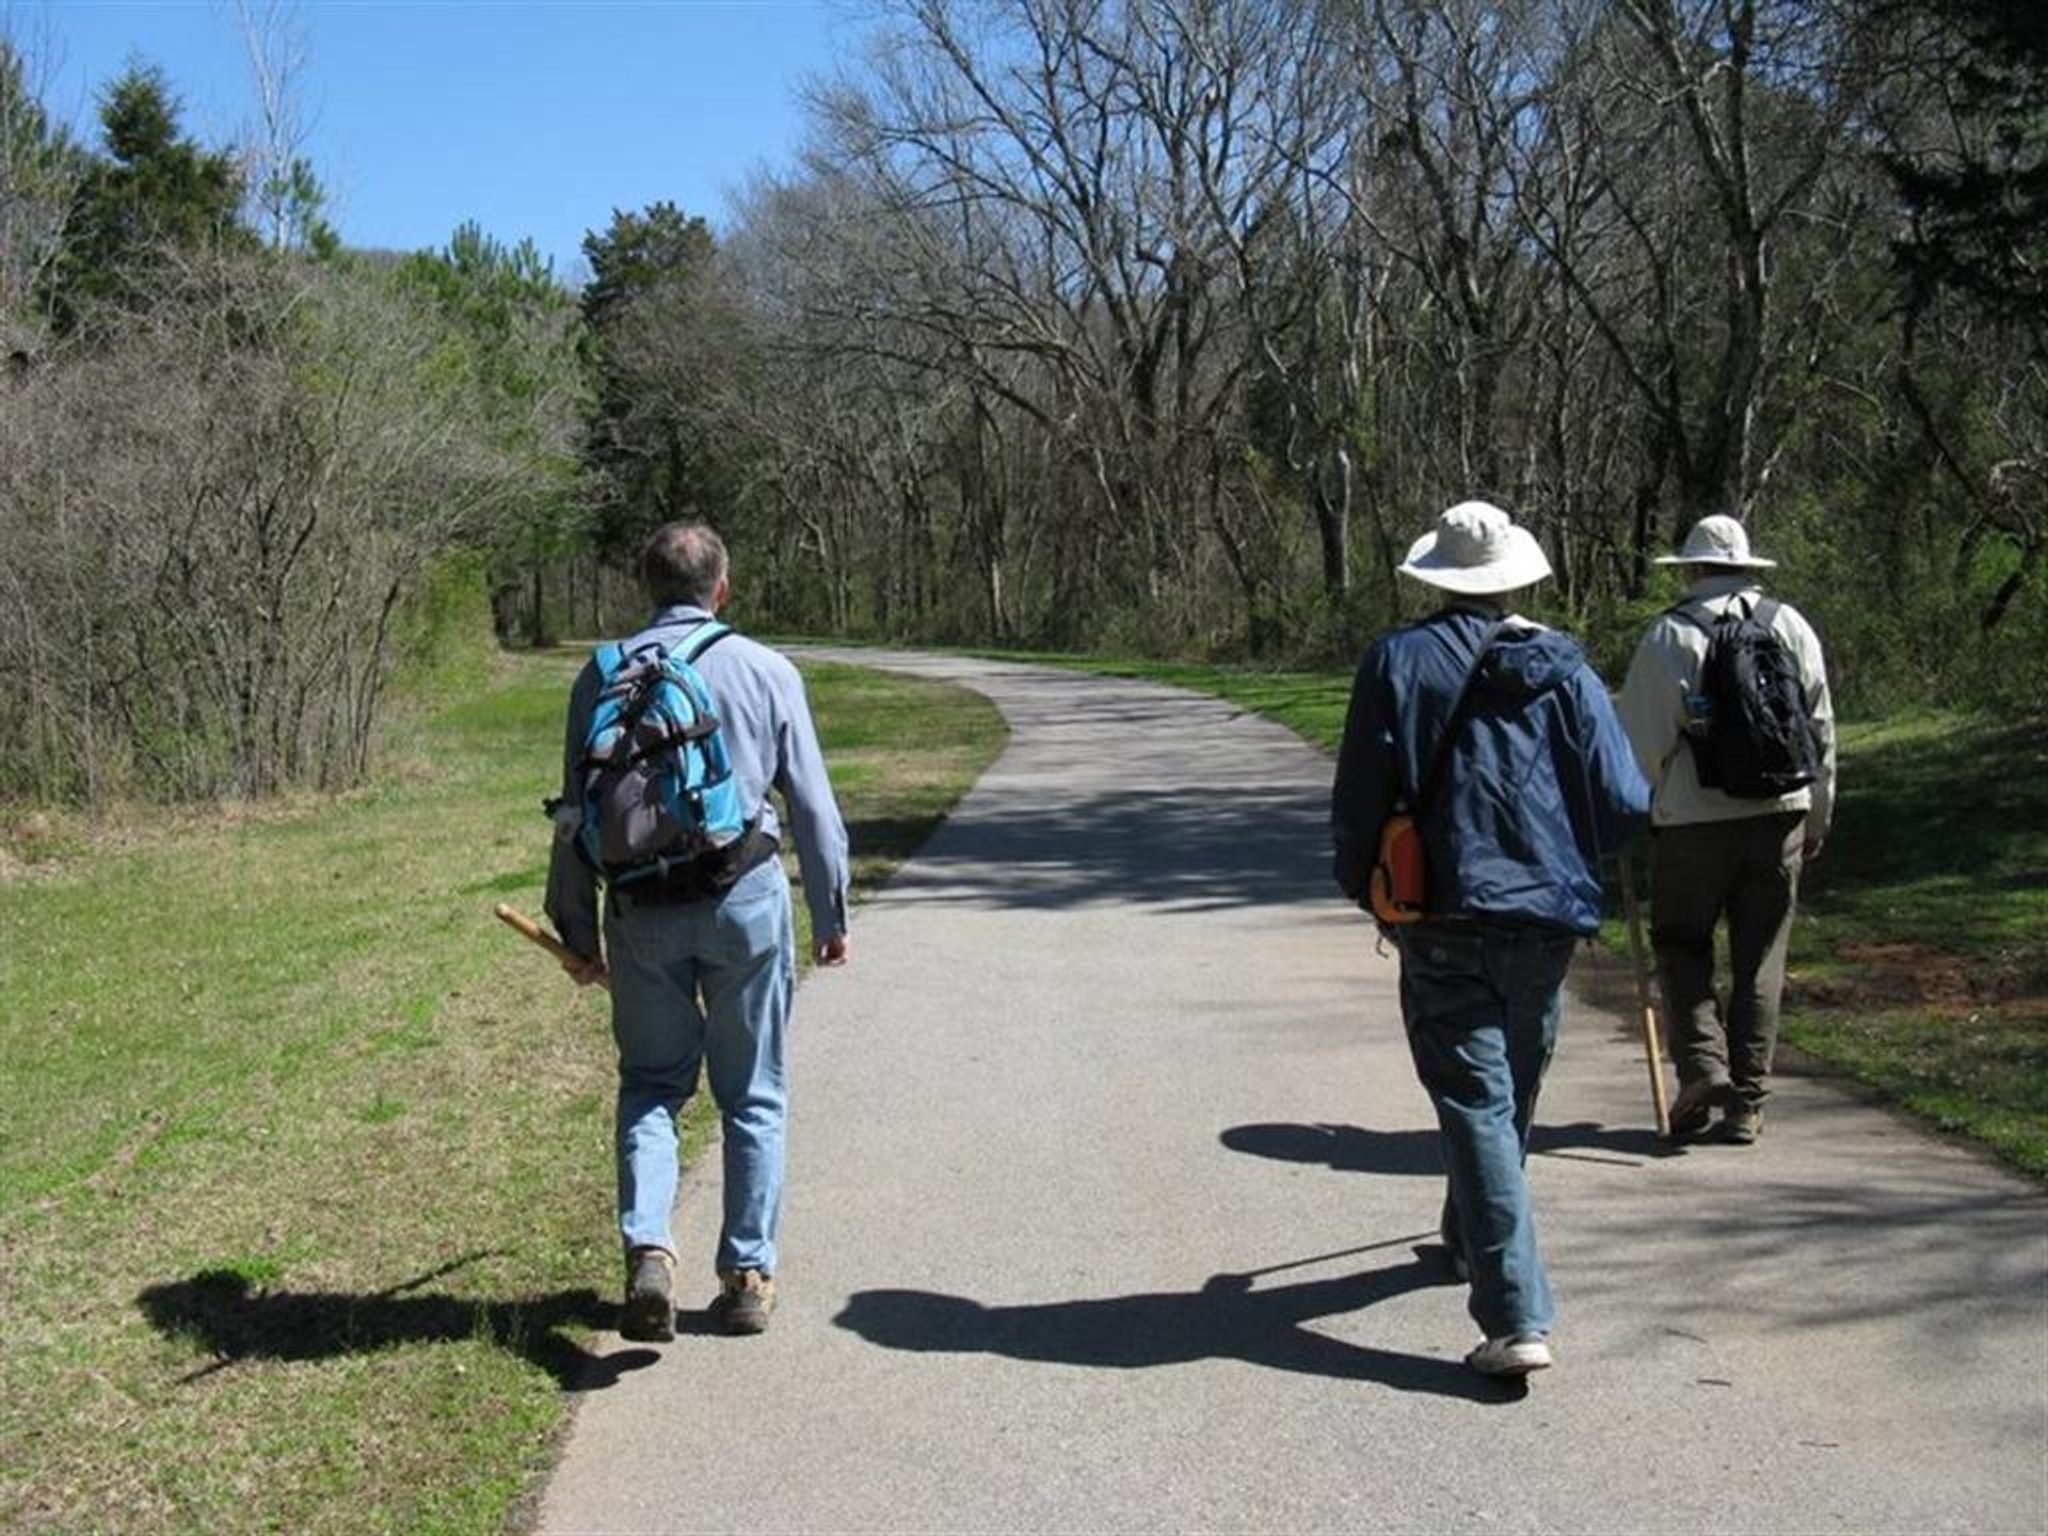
680, 613
1723, 584
1488, 611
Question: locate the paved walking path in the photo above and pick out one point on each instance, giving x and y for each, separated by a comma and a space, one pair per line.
1107, 1172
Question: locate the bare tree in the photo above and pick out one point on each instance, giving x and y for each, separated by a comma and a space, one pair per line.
39, 168
215, 524
1703, 132
283, 196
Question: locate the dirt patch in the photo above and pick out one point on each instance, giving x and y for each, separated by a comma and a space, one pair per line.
1875, 978
1922, 976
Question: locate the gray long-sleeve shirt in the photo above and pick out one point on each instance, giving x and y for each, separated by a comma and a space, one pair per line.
765, 719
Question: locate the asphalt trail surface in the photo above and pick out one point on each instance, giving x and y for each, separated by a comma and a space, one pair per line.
1112, 1206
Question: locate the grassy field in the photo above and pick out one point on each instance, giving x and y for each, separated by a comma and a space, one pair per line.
304, 1162
1921, 963
1920, 958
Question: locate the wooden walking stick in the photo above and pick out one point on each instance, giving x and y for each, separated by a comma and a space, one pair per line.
517, 920
1635, 945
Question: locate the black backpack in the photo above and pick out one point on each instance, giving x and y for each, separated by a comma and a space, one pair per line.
1747, 723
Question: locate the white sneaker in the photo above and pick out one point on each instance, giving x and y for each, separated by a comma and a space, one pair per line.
1515, 1355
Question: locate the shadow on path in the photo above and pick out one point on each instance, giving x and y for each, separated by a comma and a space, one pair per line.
1886, 1237
222, 1310
1225, 1320
1418, 1150
1167, 848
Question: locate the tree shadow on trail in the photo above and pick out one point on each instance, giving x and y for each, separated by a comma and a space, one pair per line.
223, 1311
1157, 849
1226, 1319
1418, 1150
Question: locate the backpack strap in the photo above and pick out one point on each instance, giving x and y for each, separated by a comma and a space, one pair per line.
614, 655
1685, 614
701, 639
1761, 608
1437, 758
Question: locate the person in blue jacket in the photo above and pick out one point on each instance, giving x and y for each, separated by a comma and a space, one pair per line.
1536, 782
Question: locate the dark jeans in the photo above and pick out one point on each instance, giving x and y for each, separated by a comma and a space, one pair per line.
1748, 872
1481, 1004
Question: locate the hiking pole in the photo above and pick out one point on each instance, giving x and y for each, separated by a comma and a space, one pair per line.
1642, 969
513, 918
1324, 1258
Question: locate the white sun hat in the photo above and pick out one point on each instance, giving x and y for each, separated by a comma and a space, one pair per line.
1476, 549
1717, 541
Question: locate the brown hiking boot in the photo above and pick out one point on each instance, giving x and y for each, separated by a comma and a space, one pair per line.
650, 1311
1693, 1110
1741, 1126
745, 1298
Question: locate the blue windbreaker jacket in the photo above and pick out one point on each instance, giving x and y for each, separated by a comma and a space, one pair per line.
1538, 785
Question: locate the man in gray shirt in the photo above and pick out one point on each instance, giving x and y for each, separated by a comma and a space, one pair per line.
1719, 856
701, 977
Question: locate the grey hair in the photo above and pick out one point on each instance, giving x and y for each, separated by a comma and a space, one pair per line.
683, 563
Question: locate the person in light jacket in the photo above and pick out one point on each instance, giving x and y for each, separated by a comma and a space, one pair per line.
1715, 856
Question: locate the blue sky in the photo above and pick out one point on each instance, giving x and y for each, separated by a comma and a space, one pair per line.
532, 119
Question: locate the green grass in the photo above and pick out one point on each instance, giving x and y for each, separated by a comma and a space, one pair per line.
1920, 956
1920, 962
304, 1162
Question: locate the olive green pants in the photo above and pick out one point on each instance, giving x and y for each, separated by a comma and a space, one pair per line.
1747, 872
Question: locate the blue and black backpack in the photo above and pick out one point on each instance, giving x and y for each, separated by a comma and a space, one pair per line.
659, 802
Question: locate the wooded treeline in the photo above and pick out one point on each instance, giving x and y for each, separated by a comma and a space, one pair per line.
1167, 325
232, 454
1143, 324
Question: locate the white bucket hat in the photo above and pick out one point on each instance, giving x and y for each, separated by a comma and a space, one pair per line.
1476, 549
1717, 541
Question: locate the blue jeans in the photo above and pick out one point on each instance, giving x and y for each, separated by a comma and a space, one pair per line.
704, 983
1481, 1004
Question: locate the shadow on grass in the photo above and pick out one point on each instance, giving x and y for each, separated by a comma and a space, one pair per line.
514, 880
1419, 1150
1225, 1319
1932, 822
223, 1311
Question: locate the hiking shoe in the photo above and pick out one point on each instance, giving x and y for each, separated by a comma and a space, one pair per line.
1742, 1125
745, 1298
1693, 1109
650, 1311
1514, 1355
